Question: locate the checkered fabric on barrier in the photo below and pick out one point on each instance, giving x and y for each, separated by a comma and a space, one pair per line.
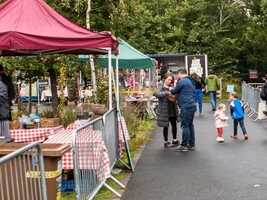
126, 133
89, 149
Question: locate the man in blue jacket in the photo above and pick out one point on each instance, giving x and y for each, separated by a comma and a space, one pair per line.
185, 90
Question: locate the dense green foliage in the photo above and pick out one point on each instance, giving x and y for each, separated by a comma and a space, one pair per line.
230, 32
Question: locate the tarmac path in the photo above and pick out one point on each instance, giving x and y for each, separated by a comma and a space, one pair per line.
233, 170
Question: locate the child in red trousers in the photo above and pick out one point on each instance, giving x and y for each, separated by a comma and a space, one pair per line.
220, 121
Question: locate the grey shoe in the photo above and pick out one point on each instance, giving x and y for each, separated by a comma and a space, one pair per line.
181, 148
191, 147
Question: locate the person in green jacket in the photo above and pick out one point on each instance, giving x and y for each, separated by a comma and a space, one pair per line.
213, 84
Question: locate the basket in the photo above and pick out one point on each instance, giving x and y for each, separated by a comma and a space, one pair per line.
94, 117
99, 109
49, 122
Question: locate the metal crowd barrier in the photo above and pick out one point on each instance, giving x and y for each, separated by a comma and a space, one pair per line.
111, 140
16, 181
88, 154
251, 98
88, 160
111, 135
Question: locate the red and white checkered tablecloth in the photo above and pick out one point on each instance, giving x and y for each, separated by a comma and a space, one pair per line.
73, 126
33, 135
126, 132
91, 150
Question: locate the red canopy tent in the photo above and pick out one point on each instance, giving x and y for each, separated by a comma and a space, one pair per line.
31, 27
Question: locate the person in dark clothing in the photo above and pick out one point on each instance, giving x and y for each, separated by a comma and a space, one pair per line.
4, 110
185, 90
10, 88
167, 111
263, 93
163, 71
199, 89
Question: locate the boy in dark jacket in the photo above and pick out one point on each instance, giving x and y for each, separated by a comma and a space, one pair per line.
237, 113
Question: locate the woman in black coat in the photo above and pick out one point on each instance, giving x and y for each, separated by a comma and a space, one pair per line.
167, 110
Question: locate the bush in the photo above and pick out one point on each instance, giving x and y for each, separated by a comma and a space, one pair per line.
67, 117
228, 80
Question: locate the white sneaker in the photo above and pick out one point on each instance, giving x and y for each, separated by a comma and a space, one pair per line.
220, 139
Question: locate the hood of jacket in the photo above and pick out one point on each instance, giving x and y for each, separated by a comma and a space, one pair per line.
212, 76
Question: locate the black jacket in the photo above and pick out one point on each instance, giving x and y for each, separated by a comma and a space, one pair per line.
4, 104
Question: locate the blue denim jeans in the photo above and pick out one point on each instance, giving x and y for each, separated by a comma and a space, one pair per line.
242, 126
213, 101
188, 130
198, 98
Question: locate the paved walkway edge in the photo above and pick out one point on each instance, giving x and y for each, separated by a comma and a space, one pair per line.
128, 175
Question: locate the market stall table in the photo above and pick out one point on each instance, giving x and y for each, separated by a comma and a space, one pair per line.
35, 134
48, 94
90, 147
85, 93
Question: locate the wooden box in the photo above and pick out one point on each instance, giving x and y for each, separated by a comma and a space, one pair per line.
49, 122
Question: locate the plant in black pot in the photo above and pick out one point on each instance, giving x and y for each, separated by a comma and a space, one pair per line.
83, 112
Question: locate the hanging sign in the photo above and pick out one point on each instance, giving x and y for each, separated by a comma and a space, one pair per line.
253, 74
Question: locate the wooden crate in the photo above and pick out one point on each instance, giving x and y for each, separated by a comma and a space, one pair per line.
49, 122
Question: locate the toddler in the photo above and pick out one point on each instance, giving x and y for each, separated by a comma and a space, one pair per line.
220, 121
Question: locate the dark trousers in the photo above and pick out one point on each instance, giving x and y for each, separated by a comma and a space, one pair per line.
188, 129
174, 129
242, 126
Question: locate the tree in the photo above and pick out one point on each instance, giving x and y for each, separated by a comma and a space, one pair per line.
214, 28
256, 40
28, 68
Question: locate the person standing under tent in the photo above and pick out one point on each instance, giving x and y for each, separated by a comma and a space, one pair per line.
10, 88
4, 110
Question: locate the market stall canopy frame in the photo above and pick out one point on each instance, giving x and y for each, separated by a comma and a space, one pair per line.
31, 27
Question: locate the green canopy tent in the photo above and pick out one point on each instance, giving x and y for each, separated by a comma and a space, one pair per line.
128, 58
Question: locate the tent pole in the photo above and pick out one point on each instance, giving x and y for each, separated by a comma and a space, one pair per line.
91, 57
109, 79
117, 81
80, 87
